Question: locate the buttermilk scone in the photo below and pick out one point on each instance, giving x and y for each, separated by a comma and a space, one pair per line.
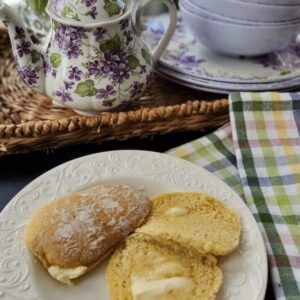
71, 235
196, 221
146, 268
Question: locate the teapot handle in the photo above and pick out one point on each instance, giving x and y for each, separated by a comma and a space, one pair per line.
140, 26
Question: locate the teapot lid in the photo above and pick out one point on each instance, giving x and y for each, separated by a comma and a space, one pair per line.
88, 10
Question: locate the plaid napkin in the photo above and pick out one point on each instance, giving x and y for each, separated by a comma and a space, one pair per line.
258, 154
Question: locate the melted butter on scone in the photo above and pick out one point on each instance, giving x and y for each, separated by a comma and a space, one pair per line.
146, 268
177, 211
65, 275
170, 269
143, 289
164, 281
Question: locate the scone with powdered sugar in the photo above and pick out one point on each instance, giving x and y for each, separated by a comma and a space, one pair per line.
72, 235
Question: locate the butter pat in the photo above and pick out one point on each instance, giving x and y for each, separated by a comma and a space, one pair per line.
168, 288
65, 275
176, 211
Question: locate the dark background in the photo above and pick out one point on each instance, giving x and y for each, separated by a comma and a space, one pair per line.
18, 170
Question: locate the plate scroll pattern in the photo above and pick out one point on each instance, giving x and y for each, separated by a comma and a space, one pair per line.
244, 271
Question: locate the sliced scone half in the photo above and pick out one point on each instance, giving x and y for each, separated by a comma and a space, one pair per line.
194, 220
146, 268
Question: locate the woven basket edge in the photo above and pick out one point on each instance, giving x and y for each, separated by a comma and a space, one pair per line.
144, 114
23, 145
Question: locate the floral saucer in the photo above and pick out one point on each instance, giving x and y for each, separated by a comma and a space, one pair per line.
186, 56
225, 87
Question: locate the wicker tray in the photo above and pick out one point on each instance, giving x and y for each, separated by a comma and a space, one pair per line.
29, 121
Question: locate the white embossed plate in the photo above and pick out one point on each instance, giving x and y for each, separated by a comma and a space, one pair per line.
22, 277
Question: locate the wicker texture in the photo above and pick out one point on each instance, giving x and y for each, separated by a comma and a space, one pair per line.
29, 121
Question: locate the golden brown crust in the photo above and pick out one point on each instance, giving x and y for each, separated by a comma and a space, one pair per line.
81, 228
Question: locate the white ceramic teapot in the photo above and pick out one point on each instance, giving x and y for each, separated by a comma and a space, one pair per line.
88, 66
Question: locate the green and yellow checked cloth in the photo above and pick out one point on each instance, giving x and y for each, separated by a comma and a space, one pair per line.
258, 154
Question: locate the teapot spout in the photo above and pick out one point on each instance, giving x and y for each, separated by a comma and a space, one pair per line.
29, 58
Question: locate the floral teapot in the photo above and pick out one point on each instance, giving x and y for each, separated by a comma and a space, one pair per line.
88, 66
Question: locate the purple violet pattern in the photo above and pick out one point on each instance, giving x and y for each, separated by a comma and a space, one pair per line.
28, 69
64, 95
120, 73
114, 65
106, 92
93, 13
191, 61
29, 76
23, 48
106, 65
47, 67
99, 33
20, 33
54, 73
60, 35
137, 89
69, 85
107, 103
113, 61
278, 61
88, 3
73, 51
69, 39
95, 68
75, 73
110, 62
124, 24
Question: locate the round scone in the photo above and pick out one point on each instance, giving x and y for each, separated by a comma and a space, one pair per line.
194, 220
145, 268
73, 234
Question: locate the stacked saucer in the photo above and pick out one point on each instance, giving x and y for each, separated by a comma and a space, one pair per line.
188, 63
